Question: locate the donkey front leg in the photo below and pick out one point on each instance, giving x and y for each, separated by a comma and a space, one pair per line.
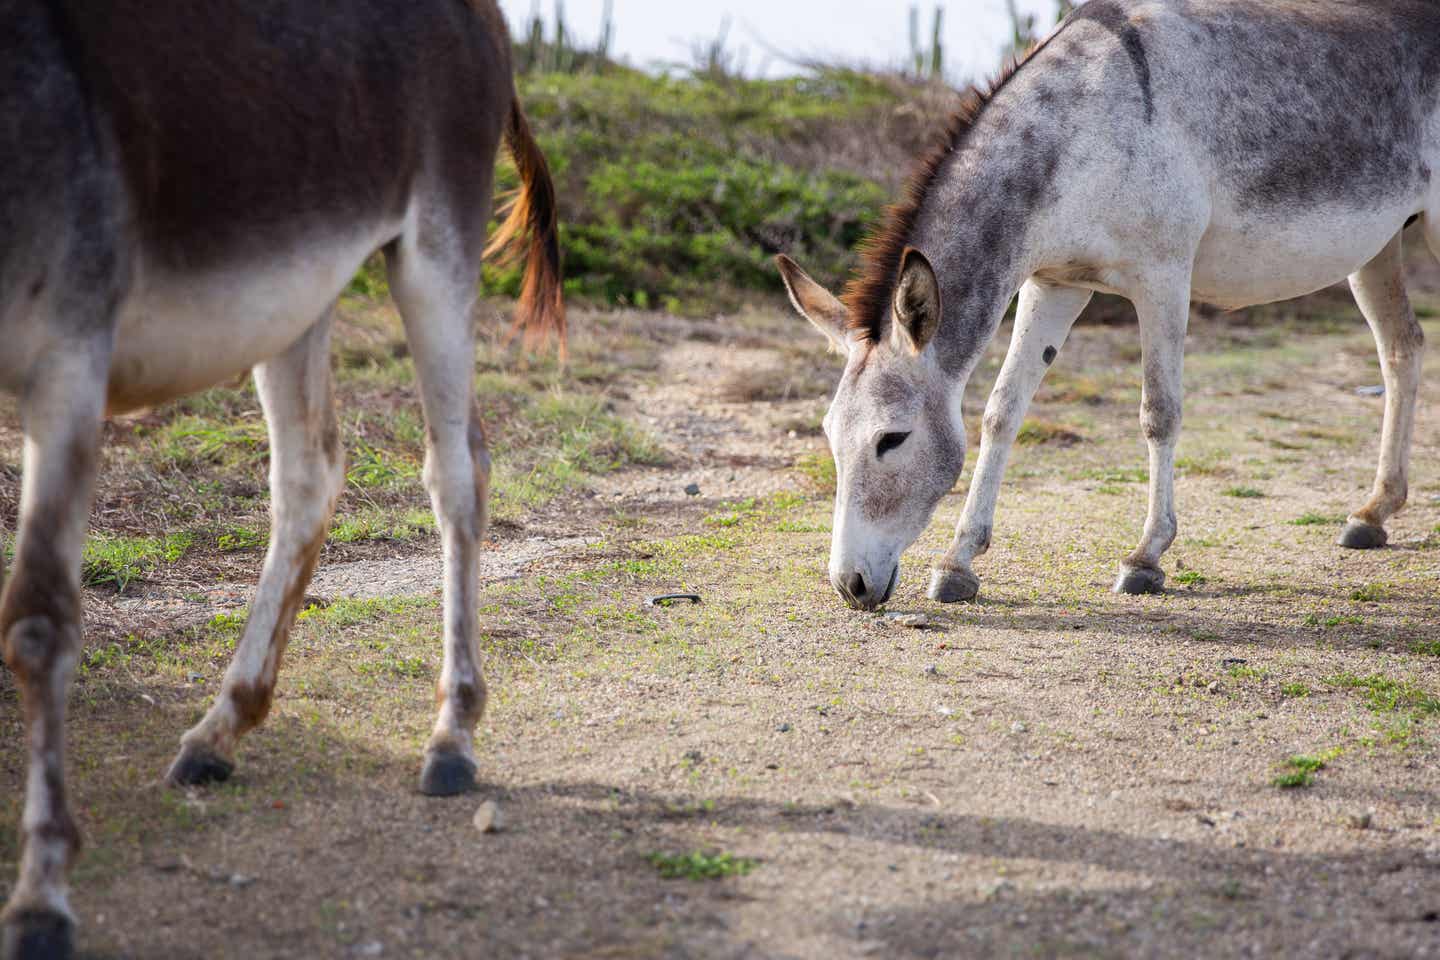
307, 473
40, 630
1164, 316
1043, 319
435, 295
1379, 289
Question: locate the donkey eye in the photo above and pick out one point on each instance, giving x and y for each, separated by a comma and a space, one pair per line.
889, 442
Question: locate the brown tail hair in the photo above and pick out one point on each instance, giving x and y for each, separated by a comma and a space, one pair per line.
532, 227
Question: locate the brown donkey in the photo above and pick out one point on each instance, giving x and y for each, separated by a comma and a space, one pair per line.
188, 186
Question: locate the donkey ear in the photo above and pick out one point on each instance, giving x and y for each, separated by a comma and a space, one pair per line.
815, 303
917, 301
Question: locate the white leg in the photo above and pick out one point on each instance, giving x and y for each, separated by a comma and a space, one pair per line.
307, 474
1164, 311
435, 294
1379, 289
1043, 320
40, 628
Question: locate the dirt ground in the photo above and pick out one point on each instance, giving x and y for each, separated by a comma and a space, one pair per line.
1053, 771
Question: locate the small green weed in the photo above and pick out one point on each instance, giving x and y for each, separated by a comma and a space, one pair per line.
1300, 770
1191, 578
1369, 593
1427, 648
701, 866
1294, 691
1244, 493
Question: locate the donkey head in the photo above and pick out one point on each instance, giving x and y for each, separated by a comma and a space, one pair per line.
894, 428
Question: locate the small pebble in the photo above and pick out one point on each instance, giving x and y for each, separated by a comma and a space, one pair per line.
932, 671
945, 711
692, 490
1213, 686
240, 880
1018, 727
373, 948
487, 817
1370, 391
783, 728
914, 621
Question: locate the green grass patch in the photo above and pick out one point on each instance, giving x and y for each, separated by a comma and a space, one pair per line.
1369, 593
699, 865
819, 469
371, 467
189, 441
1316, 520
1386, 695
119, 560
1034, 432
1191, 578
1210, 465
241, 538
556, 441
1109, 475
1425, 648
1243, 493
379, 524
1294, 691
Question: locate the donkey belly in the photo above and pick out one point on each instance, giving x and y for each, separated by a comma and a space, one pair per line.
1243, 262
184, 332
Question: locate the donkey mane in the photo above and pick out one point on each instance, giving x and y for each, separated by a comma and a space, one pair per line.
868, 295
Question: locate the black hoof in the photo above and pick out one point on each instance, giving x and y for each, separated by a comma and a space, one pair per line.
1363, 536
953, 586
1137, 581
38, 935
197, 766
447, 775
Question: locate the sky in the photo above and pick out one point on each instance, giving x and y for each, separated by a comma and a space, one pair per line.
860, 32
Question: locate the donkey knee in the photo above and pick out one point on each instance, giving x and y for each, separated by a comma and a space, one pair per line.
1000, 420
1160, 419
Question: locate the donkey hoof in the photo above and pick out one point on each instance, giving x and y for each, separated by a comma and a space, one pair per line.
197, 766
953, 586
38, 935
447, 774
1137, 581
1363, 536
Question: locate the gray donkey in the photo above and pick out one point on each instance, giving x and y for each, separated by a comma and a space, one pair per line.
1228, 151
188, 186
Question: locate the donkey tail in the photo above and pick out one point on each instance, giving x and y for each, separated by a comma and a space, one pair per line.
531, 228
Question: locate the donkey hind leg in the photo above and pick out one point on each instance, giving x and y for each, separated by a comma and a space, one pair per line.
1164, 313
307, 473
40, 630
435, 292
1043, 320
1379, 289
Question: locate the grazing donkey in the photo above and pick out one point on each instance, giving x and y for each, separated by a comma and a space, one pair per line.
187, 189
1229, 151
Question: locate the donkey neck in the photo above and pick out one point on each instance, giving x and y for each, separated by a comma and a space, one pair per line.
980, 219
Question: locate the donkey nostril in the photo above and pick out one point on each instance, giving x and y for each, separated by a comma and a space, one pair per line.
855, 583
